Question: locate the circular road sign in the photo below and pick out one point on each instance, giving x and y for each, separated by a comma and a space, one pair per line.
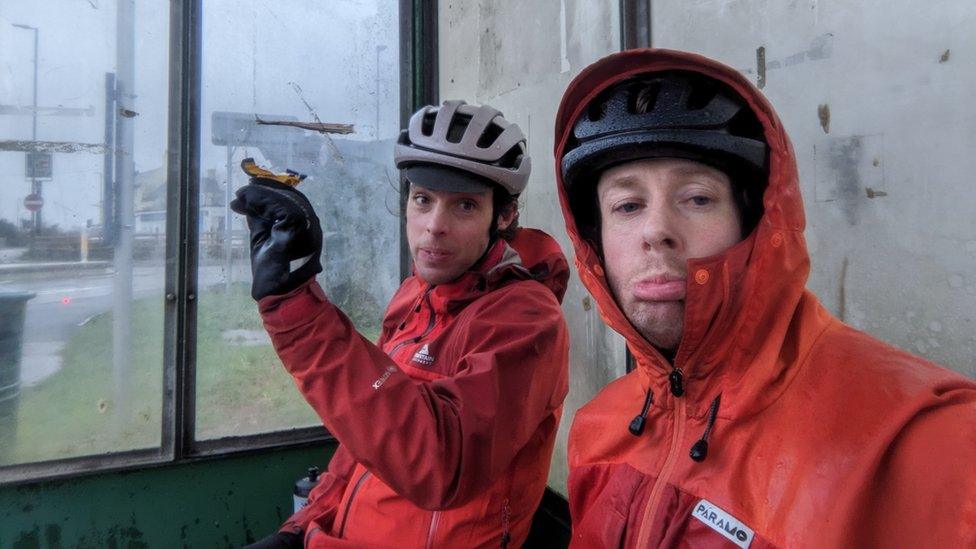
33, 202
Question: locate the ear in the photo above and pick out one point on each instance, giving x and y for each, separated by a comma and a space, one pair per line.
505, 218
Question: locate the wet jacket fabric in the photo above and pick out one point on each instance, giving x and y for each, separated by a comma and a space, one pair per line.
446, 427
823, 436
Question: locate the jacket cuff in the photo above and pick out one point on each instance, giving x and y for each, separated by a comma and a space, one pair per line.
298, 305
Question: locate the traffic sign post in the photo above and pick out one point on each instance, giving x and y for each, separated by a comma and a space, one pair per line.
40, 165
33, 202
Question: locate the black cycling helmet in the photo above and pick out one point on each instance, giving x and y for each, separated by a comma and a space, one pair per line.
677, 114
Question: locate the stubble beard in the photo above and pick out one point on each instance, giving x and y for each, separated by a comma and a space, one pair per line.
660, 323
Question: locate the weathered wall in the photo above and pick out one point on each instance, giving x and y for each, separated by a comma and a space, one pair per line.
221, 503
519, 57
877, 97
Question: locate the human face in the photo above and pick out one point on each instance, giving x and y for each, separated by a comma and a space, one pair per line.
655, 215
447, 231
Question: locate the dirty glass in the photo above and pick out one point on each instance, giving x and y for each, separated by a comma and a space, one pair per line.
877, 98
311, 87
82, 141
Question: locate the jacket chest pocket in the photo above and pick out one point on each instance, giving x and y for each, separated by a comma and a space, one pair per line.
607, 504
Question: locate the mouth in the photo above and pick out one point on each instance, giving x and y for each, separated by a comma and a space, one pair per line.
434, 255
662, 287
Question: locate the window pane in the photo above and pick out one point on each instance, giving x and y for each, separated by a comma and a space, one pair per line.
81, 227
287, 63
876, 97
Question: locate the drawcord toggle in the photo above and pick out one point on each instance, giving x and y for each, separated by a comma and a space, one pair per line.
700, 450
637, 424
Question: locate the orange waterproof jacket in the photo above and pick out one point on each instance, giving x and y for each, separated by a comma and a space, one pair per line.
446, 427
823, 436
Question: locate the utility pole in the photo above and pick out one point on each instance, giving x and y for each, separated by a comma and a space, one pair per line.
124, 176
108, 168
228, 221
35, 184
379, 48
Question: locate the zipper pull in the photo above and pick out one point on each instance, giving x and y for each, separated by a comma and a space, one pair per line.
677, 381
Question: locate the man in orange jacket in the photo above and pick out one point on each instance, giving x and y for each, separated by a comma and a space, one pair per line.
753, 417
446, 426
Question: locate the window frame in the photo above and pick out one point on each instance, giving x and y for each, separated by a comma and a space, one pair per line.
178, 444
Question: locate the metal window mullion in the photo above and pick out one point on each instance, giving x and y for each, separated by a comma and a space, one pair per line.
635, 24
183, 155
418, 81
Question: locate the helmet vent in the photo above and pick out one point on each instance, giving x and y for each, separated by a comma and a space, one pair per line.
455, 131
644, 99
489, 136
596, 111
427, 128
512, 158
700, 97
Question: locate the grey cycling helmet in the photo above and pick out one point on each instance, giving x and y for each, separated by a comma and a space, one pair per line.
463, 147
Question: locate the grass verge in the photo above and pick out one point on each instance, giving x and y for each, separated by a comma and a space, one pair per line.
241, 389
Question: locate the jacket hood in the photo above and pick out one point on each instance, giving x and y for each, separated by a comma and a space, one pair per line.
739, 303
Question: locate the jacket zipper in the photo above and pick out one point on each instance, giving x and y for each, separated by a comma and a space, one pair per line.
434, 519
430, 326
345, 514
644, 533
506, 522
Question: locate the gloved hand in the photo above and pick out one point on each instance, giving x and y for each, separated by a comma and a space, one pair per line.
286, 237
278, 540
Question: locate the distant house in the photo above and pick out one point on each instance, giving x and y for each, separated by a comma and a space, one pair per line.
150, 204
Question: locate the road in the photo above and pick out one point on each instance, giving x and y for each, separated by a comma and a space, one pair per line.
65, 301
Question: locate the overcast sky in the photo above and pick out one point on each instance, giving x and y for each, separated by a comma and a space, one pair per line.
256, 58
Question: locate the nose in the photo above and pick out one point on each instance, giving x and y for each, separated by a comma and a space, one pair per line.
659, 230
437, 221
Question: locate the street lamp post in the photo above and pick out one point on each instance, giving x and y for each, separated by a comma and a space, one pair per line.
35, 184
379, 48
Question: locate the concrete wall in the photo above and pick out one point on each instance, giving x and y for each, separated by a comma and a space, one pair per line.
877, 97
519, 57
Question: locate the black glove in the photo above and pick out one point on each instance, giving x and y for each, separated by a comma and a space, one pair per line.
286, 237
278, 540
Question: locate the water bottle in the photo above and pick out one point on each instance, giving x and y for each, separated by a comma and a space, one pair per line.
303, 486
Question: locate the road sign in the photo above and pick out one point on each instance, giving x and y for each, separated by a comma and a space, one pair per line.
39, 165
33, 202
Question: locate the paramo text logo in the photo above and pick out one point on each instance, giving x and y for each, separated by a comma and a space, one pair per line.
723, 523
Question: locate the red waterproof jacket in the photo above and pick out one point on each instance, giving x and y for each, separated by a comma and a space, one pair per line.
446, 427
823, 436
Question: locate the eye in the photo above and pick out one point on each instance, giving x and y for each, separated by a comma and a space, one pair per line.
701, 200
420, 199
626, 207
468, 205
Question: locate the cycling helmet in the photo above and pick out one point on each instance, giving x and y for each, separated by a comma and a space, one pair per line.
679, 114
461, 147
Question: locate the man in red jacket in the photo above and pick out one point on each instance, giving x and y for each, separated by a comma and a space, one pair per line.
753, 417
446, 426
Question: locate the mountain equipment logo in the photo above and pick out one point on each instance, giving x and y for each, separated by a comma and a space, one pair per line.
423, 356
723, 523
